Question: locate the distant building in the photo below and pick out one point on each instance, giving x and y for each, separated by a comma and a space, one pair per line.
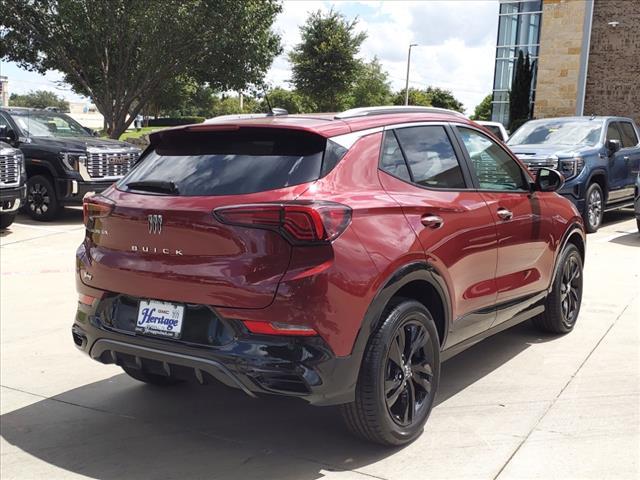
4, 91
585, 56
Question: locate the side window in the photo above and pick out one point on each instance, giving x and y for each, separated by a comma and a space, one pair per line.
629, 136
495, 169
392, 160
431, 158
613, 133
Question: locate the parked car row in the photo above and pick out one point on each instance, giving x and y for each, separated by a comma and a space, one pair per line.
62, 159
599, 158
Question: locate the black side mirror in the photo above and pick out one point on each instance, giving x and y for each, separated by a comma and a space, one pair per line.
90, 131
8, 135
548, 180
613, 146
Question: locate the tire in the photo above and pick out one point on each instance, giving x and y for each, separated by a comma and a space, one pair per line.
150, 378
561, 317
6, 219
380, 412
593, 208
41, 203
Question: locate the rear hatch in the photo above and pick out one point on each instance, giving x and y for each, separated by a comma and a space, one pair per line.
161, 240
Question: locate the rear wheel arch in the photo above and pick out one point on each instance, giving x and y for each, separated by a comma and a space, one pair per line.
416, 281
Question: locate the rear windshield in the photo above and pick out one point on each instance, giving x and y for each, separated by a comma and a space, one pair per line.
234, 162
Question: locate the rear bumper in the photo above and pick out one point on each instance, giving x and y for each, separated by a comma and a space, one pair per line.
12, 198
302, 367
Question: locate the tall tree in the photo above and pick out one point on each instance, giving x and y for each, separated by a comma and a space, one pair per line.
520, 94
39, 99
325, 63
416, 97
444, 99
371, 86
282, 98
121, 52
483, 109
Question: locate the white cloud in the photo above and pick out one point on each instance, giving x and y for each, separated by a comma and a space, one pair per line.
456, 41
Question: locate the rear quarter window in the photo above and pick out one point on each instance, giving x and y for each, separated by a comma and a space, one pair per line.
236, 162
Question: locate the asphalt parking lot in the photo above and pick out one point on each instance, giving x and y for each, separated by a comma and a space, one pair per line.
519, 405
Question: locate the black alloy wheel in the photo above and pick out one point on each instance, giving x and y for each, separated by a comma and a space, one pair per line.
409, 372
571, 289
398, 377
563, 302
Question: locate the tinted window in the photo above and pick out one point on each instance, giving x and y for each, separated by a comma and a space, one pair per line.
230, 163
495, 169
613, 133
431, 158
629, 137
392, 160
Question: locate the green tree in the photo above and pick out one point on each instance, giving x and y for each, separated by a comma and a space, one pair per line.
280, 97
121, 52
371, 86
325, 63
444, 99
416, 97
39, 99
483, 109
520, 94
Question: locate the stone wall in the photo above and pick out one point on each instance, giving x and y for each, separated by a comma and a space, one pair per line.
559, 63
613, 75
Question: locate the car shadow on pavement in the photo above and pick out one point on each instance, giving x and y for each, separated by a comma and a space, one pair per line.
68, 217
630, 239
119, 428
617, 216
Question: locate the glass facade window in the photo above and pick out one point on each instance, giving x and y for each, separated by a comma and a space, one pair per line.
518, 30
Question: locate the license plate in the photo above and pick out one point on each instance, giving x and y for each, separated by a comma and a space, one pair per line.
162, 319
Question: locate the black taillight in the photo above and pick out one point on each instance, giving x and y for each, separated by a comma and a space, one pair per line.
299, 222
95, 206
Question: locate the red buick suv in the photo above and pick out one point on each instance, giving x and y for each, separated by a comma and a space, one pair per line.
335, 258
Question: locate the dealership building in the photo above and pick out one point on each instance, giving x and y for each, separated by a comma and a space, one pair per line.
585, 56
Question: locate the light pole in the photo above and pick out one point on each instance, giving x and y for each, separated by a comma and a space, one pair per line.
406, 88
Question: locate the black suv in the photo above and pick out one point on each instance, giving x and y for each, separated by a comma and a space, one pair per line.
64, 160
12, 183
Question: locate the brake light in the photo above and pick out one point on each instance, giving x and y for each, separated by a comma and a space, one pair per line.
95, 206
275, 328
299, 222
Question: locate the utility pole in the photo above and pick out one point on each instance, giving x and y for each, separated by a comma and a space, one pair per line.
406, 88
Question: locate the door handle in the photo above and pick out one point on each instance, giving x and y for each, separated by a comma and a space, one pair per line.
626, 158
505, 214
432, 221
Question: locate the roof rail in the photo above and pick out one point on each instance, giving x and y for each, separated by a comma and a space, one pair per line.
370, 111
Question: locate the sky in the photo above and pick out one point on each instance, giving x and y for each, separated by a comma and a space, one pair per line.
456, 45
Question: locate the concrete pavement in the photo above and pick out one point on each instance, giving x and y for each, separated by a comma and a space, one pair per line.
519, 405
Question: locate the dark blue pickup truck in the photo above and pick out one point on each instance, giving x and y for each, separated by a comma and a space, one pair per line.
598, 156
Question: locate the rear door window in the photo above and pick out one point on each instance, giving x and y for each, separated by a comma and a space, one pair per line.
430, 156
234, 162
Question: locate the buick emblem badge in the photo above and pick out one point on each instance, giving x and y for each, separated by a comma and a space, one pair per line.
155, 224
